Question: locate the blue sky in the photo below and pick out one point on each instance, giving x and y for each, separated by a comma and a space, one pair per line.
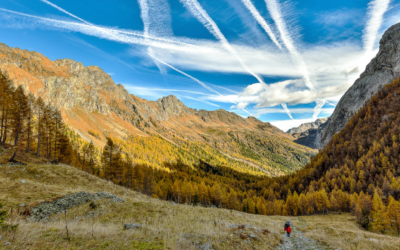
282, 62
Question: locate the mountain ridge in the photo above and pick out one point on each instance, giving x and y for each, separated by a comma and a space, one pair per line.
91, 103
306, 126
382, 69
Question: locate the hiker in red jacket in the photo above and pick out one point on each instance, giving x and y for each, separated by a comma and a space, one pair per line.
287, 228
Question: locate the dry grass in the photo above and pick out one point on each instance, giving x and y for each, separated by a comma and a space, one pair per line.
164, 224
342, 231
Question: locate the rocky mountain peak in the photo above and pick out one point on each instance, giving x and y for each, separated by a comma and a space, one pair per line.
383, 69
306, 126
172, 105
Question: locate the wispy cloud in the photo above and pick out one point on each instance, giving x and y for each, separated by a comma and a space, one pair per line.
113, 34
240, 105
249, 5
376, 10
185, 74
156, 17
167, 90
284, 106
318, 108
200, 100
277, 15
201, 15
99, 51
146, 36
63, 10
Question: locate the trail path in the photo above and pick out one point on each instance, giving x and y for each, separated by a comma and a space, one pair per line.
298, 241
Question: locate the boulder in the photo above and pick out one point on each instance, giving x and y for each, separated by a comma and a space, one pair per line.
23, 181
206, 246
128, 226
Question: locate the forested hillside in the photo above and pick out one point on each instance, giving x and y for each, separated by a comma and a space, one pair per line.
153, 132
356, 172
28, 126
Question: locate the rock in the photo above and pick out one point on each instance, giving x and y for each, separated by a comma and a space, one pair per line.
6, 244
373, 240
383, 69
243, 236
306, 126
187, 236
46, 209
252, 236
38, 176
23, 181
206, 246
22, 205
128, 226
1, 238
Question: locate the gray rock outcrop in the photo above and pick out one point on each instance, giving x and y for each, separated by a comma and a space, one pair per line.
383, 69
45, 209
128, 226
306, 126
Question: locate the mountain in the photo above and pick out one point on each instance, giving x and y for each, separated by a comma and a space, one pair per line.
306, 133
306, 126
152, 132
383, 69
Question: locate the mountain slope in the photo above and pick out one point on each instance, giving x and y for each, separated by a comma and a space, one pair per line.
306, 126
383, 69
308, 133
362, 157
152, 131
165, 225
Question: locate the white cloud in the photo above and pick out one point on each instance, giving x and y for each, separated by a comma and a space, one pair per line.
376, 10
284, 106
240, 105
318, 108
262, 111
201, 15
249, 5
332, 67
288, 124
277, 15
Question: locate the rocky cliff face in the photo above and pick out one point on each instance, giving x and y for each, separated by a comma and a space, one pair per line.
90, 101
383, 69
306, 126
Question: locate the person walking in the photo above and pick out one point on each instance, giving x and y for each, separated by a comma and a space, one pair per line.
287, 228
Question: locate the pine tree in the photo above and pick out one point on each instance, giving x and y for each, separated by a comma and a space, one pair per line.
39, 108
110, 158
29, 121
19, 112
379, 221
394, 213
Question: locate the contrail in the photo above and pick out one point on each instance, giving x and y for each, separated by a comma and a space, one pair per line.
284, 106
183, 73
376, 10
318, 108
104, 33
156, 17
195, 8
249, 5
62, 10
147, 21
170, 90
199, 100
114, 33
276, 14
